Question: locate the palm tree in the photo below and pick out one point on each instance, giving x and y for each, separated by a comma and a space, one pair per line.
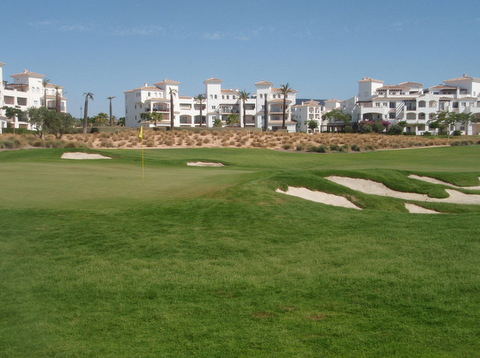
172, 94
285, 89
243, 95
111, 118
200, 98
85, 113
266, 113
57, 100
45, 83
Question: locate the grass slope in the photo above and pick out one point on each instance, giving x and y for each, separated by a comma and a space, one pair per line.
211, 262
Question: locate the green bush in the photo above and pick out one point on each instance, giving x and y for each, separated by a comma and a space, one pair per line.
427, 133
457, 133
334, 147
395, 129
355, 148
367, 128
322, 149
300, 147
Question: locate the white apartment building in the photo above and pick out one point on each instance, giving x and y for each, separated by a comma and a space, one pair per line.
218, 105
308, 111
27, 90
410, 102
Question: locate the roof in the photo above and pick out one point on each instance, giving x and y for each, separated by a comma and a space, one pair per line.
212, 80
147, 88
27, 73
280, 90
411, 84
2, 64
168, 82
263, 83
463, 78
185, 97
368, 79
333, 100
392, 87
310, 103
229, 91
443, 87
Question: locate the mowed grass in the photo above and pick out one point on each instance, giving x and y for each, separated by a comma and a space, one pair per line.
211, 262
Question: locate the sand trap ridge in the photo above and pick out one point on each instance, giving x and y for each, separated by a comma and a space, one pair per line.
375, 188
415, 209
437, 181
319, 197
81, 156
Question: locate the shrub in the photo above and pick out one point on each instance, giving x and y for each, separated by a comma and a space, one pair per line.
427, 133
300, 146
457, 133
355, 148
367, 128
322, 149
334, 147
287, 146
395, 129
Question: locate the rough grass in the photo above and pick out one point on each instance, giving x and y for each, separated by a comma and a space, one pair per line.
336, 142
211, 262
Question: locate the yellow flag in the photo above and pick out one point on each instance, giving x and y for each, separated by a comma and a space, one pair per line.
140, 134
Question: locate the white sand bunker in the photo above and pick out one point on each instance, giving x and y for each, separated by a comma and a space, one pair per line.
319, 197
375, 188
204, 164
415, 209
80, 156
437, 181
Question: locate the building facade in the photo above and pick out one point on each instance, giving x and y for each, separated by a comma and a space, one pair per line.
217, 106
409, 102
28, 89
308, 111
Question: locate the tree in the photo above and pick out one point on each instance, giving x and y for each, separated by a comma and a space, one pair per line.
45, 84
445, 119
36, 118
45, 121
265, 112
336, 115
59, 124
172, 119
243, 95
57, 100
85, 112
217, 122
200, 98
232, 119
101, 119
285, 89
154, 116
111, 117
312, 124
121, 121
11, 113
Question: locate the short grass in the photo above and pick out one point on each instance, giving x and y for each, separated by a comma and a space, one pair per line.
211, 262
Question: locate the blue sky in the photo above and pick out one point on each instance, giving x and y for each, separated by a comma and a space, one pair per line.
322, 48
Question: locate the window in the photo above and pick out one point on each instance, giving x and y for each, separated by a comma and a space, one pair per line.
455, 104
261, 95
211, 96
228, 97
377, 104
213, 107
148, 94
215, 96
463, 104
21, 101
422, 104
392, 104
223, 96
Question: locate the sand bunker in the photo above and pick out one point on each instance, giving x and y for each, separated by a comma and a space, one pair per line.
415, 209
204, 164
319, 197
375, 188
437, 181
80, 155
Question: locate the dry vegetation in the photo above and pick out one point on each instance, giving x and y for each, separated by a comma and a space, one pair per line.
321, 142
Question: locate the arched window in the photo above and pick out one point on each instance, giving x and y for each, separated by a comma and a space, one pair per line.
432, 104
422, 104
